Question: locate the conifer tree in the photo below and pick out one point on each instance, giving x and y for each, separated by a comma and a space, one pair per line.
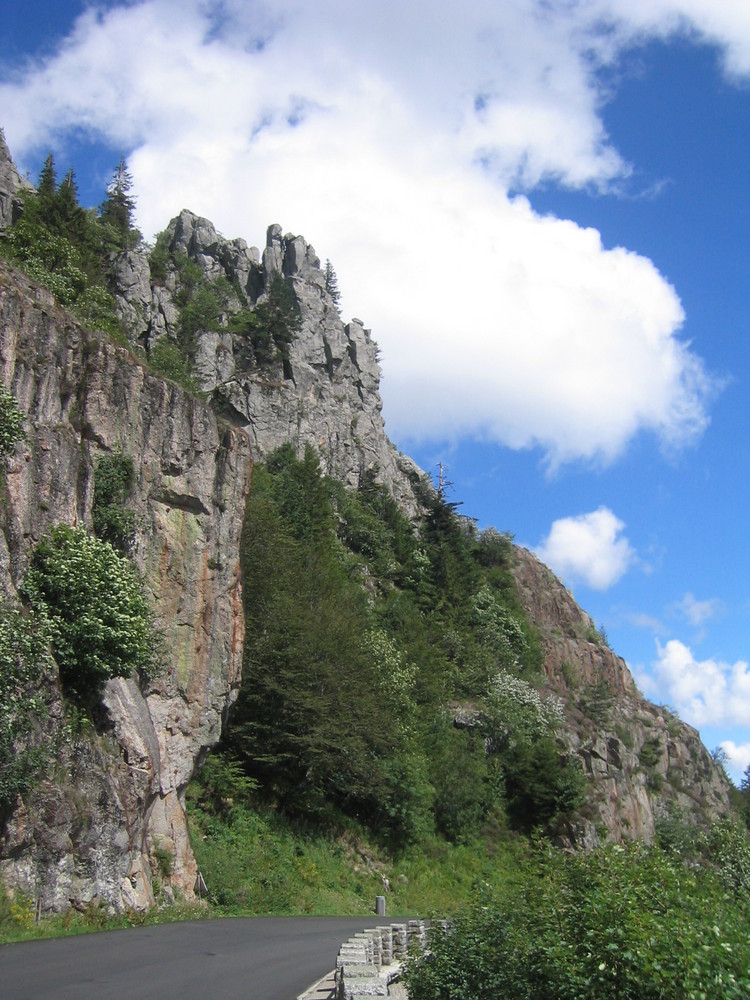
118, 209
44, 206
332, 284
47, 184
68, 216
67, 192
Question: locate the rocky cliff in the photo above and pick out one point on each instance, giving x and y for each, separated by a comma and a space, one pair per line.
113, 805
11, 183
324, 392
108, 820
644, 764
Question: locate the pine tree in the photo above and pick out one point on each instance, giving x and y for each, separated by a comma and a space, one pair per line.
47, 185
67, 210
332, 284
43, 205
118, 209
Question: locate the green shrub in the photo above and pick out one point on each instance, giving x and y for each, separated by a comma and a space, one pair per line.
276, 320
494, 548
223, 784
202, 311
650, 753
616, 924
596, 703
47, 257
159, 260
99, 617
541, 782
167, 358
497, 628
726, 847
466, 786
114, 476
95, 307
24, 657
11, 422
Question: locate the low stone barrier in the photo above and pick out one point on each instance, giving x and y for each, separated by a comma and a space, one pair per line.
370, 961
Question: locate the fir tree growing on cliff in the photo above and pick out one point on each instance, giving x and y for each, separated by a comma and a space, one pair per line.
332, 283
117, 211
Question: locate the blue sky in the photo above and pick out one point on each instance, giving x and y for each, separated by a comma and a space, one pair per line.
540, 209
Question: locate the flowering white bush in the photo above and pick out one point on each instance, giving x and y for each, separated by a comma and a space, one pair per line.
516, 711
99, 617
397, 674
496, 628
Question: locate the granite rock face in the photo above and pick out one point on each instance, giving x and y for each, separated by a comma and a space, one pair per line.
326, 393
109, 816
93, 830
11, 184
644, 763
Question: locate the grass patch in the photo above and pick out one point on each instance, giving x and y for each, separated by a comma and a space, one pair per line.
18, 919
256, 861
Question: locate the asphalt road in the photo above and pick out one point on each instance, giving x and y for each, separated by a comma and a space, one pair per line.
254, 958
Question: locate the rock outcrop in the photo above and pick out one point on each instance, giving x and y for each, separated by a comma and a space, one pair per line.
11, 184
325, 393
108, 821
95, 828
644, 763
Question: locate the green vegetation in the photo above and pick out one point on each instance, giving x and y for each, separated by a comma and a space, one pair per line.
24, 658
331, 283
274, 323
18, 918
258, 860
202, 303
97, 613
265, 330
621, 923
650, 753
167, 358
364, 636
70, 249
11, 422
114, 476
595, 701
345, 696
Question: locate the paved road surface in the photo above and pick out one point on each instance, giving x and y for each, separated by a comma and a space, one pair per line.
256, 958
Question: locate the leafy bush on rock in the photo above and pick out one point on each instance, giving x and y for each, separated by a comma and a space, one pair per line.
11, 422
99, 617
24, 656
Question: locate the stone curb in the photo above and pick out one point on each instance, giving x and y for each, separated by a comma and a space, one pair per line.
369, 963
324, 989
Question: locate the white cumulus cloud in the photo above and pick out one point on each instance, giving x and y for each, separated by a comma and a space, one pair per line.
738, 758
396, 138
589, 548
704, 692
